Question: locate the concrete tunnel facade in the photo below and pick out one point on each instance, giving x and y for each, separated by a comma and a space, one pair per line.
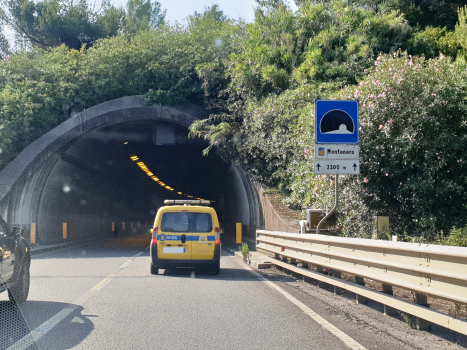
79, 179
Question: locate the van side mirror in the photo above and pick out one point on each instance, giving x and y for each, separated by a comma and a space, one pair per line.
16, 231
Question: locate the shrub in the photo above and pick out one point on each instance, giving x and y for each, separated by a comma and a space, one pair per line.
457, 237
432, 41
413, 120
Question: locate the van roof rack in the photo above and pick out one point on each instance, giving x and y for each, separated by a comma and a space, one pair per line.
187, 202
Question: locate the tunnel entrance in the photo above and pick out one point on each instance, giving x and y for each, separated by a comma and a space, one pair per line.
108, 169
121, 174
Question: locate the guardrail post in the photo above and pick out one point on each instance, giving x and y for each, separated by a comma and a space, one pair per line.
320, 269
421, 299
388, 311
337, 290
306, 278
359, 298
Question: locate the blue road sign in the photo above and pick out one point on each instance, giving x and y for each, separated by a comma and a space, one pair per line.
336, 121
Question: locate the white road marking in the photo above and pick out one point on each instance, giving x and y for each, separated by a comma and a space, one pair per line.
45, 327
40, 331
126, 264
129, 261
352, 344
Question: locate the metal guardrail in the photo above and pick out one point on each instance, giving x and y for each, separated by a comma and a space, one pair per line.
425, 269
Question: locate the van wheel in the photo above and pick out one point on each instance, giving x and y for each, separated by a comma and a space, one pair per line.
215, 269
19, 292
154, 270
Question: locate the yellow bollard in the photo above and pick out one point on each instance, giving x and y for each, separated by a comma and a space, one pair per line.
113, 227
33, 233
123, 226
65, 230
239, 232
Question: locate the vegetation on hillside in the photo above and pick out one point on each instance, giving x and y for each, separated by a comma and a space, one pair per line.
404, 61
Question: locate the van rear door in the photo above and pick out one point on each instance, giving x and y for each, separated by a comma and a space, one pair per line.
203, 237
174, 239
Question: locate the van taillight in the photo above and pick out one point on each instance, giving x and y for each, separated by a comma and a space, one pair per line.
217, 236
154, 235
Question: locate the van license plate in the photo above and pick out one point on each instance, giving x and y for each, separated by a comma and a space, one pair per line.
174, 250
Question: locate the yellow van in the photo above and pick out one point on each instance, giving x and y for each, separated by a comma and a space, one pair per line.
186, 233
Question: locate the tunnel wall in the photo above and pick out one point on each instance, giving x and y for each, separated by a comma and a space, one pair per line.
39, 186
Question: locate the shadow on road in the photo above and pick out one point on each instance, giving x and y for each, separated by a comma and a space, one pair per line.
18, 321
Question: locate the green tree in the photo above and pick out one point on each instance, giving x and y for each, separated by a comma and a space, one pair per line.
420, 13
55, 22
143, 15
433, 41
461, 28
4, 44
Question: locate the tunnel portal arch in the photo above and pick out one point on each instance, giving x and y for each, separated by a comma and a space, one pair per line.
72, 175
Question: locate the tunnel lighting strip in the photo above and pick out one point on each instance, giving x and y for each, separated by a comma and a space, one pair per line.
157, 180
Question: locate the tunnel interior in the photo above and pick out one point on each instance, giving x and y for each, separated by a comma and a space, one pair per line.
115, 177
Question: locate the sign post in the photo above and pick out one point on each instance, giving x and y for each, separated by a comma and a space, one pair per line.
336, 142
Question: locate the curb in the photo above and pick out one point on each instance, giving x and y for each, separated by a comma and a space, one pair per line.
257, 260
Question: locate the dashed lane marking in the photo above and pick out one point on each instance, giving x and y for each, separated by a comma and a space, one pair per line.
352, 344
129, 261
126, 264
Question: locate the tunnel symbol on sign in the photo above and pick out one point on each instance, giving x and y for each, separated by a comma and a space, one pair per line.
337, 122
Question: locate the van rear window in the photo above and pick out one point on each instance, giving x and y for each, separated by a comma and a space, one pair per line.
186, 222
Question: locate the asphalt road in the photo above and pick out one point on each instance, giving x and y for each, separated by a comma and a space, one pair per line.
104, 297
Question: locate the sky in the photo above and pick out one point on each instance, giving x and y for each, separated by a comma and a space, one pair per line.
178, 10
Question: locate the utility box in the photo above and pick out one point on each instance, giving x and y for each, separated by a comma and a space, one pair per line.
380, 226
314, 216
